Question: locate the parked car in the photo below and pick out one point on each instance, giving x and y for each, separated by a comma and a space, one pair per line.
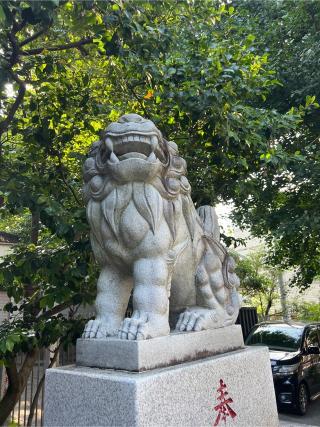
295, 360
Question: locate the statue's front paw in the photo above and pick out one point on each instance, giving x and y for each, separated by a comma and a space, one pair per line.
142, 326
97, 329
196, 319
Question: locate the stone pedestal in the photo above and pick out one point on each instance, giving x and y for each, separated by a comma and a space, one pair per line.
159, 352
185, 394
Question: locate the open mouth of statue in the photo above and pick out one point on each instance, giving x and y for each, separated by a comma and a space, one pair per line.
133, 145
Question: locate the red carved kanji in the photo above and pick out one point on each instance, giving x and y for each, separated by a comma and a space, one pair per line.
223, 408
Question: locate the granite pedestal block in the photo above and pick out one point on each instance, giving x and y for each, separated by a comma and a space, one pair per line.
186, 394
158, 352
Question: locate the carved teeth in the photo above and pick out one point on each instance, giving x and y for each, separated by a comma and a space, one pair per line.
109, 144
152, 158
154, 142
114, 158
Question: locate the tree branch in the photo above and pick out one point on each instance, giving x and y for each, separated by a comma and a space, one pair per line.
60, 169
39, 50
17, 26
14, 107
34, 36
55, 310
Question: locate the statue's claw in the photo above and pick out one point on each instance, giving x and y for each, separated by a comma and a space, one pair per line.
196, 319
142, 326
97, 329
132, 328
189, 321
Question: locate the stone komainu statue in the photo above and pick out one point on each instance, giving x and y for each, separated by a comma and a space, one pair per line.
149, 239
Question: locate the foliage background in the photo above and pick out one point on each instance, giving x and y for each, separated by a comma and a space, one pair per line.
235, 85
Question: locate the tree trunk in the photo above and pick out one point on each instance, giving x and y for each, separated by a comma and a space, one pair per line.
266, 313
35, 225
261, 306
34, 235
12, 393
283, 297
17, 383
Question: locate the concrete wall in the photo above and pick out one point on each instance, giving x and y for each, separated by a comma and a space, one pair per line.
3, 300
4, 250
311, 295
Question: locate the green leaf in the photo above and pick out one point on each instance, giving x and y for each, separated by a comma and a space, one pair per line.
42, 67
310, 100
15, 338
9, 344
96, 126
251, 38
68, 5
2, 14
47, 301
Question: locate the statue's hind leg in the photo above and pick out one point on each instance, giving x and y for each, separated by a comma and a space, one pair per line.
212, 296
111, 303
218, 302
210, 311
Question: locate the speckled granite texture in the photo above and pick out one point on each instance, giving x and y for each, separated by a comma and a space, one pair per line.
158, 352
181, 395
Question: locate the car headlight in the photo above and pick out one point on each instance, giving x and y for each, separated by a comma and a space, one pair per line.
285, 369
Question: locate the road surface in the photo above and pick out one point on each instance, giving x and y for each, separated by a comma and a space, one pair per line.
312, 418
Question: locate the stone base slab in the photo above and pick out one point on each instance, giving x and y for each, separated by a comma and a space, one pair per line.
182, 395
159, 352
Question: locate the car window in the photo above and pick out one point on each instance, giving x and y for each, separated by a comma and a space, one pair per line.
312, 338
276, 337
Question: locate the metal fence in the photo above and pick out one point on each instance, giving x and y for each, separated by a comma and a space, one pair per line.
33, 394
247, 318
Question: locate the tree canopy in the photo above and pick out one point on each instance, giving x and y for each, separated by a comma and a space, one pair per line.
281, 201
259, 282
210, 75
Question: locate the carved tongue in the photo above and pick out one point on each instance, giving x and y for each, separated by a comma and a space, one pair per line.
152, 158
154, 144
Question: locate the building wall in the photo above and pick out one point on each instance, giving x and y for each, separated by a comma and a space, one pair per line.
4, 250
3, 300
311, 295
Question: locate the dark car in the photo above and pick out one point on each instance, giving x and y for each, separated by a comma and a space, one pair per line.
295, 360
